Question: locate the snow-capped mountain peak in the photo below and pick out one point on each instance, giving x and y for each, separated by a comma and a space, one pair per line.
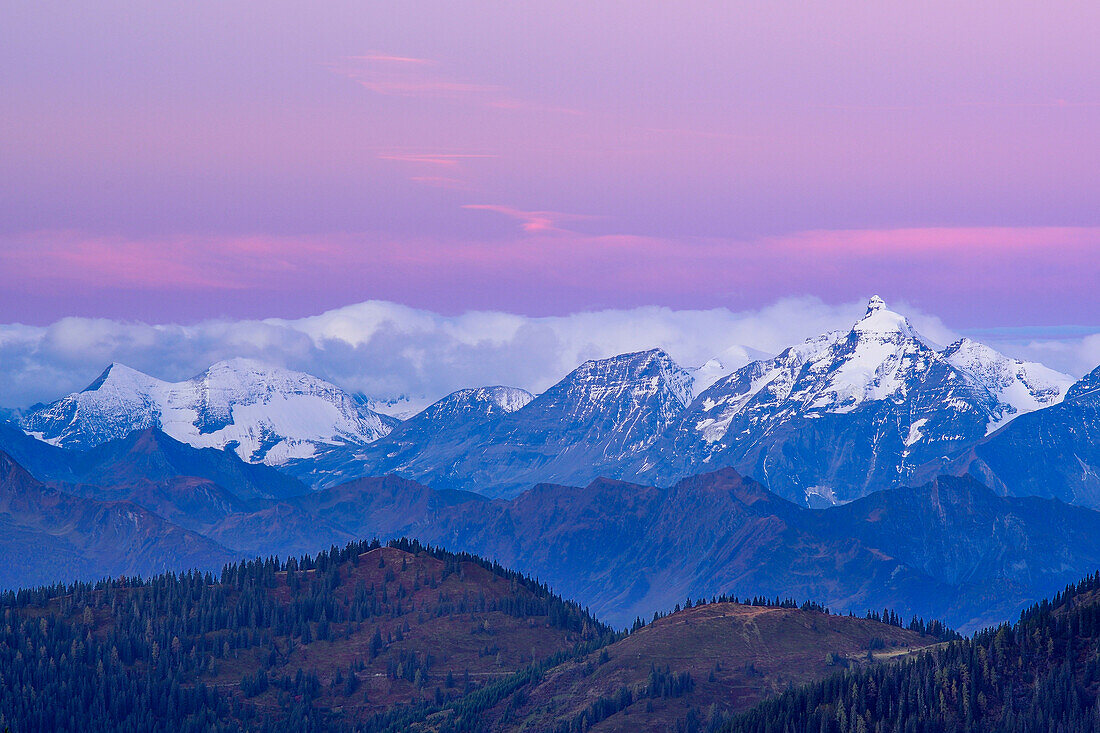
118, 375
508, 399
636, 376
1021, 386
872, 362
478, 401
881, 360
722, 366
621, 403
880, 320
263, 412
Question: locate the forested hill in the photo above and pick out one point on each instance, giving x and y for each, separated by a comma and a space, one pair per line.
1040, 674
401, 637
332, 641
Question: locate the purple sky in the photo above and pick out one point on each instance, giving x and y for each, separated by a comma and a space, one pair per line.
176, 161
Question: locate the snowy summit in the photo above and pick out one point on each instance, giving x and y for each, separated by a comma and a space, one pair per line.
264, 413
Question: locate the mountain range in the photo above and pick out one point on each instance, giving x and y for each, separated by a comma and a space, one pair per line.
951, 549
823, 422
863, 469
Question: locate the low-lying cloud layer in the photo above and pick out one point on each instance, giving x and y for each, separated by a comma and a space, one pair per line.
389, 351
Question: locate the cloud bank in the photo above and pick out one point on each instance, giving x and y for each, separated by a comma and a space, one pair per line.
392, 352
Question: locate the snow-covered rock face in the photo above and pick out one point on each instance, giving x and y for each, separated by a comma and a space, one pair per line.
754, 385
614, 408
881, 358
600, 417
1020, 386
723, 365
627, 379
843, 412
263, 413
1087, 388
479, 402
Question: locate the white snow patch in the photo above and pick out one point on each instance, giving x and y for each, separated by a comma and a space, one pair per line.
915, 433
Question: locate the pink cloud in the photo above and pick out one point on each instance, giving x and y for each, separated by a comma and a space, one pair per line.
406, 76
531, 221
442, 182
188, 263
938, 239
403, 76
445, 159
427, 161
388, 58
970, 276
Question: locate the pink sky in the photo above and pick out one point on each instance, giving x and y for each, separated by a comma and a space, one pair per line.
174, 162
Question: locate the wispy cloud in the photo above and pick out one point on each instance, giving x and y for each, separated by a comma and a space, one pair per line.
534, 222
445, 159
917, 240
989, 104
186, 262
391, 59
404, 76
407, 76
425, 165
457, 184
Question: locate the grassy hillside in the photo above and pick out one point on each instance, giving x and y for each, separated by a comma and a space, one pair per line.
699, 662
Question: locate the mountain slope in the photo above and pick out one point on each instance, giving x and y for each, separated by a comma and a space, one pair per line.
714, 657
625, 549
192, 503
152, 456
997, 553
628, 549
845, 414
1038, 674
597, 418
388, 505
48, 534
46, 462
193, 488
1053, 452
441, 428
262, 413
951, 549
